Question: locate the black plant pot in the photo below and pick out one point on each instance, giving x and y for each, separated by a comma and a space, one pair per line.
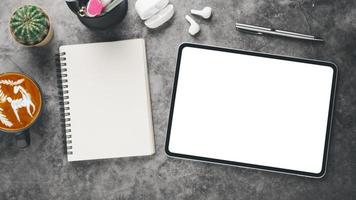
114, 17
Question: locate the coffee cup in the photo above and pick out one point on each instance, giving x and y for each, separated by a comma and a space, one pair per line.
20, 105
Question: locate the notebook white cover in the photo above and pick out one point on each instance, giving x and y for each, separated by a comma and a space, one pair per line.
110, 109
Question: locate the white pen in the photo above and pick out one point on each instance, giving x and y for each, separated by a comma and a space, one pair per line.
262, 30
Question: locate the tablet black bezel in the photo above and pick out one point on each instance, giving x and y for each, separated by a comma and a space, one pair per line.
247, 165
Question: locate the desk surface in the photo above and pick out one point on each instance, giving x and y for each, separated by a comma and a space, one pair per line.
41, 171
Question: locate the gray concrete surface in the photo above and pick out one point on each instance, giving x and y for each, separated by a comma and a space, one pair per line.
42, 172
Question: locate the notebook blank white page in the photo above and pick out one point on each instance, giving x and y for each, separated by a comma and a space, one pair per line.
251, 109
109, 99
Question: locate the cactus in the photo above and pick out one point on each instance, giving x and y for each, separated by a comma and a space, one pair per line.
29, 25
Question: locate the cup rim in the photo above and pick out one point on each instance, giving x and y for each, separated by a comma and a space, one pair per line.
40, 108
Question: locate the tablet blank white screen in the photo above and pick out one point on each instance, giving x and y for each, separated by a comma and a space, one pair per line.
251, 109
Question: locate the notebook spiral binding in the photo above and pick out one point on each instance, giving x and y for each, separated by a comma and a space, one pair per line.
64, 99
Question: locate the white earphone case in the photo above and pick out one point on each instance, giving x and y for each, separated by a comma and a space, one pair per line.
161, 17
147, 8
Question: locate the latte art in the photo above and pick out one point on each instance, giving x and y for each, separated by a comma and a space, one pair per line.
20, 101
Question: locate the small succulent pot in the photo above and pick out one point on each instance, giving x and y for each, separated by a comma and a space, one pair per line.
30, 26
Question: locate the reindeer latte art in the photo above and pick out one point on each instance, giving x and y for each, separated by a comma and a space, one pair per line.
20, 102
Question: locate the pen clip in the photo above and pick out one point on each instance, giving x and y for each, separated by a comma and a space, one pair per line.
248, 31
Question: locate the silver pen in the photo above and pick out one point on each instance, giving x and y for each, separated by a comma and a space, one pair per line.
271, 31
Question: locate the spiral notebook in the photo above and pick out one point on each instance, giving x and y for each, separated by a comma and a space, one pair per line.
106, 100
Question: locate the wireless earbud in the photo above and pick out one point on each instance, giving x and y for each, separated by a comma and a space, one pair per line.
194, 27
204, 13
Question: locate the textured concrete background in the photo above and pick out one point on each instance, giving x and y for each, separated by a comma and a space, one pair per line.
42, 172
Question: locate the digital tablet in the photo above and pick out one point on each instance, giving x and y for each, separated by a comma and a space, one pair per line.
252, 110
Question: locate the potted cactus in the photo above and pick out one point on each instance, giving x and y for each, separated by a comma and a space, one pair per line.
30, 26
